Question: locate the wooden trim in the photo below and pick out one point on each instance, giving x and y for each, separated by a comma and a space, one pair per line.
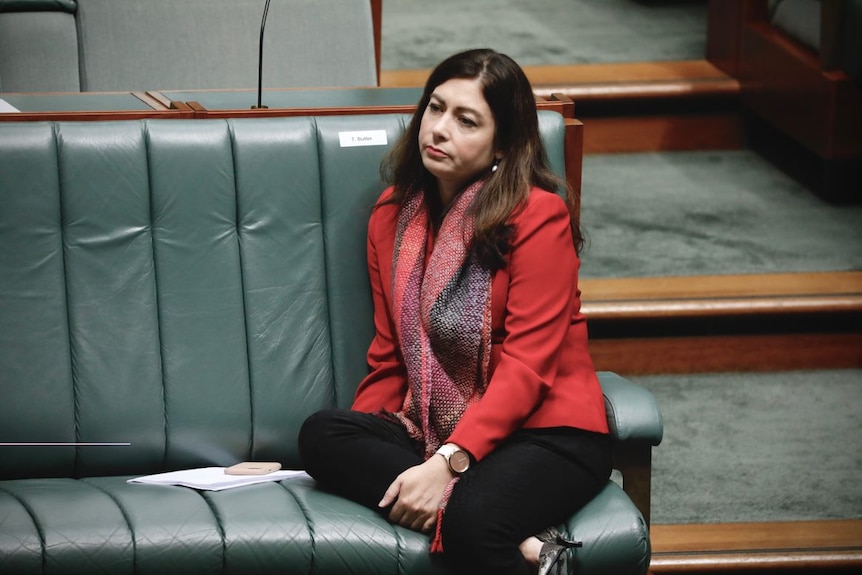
94, 116
561, 105
202, 112
696, 548
784, 83
182, 106
742, 306
710, 297
624, 72
631, 134
603, 82
404, 78
159, 107
574, 152
797, 89
651, 90
740, 353
627, 81
164, 101
727, 285
557, 103
567, 105
634, 462
585, 74
151, 100
199, 110
831, 19
725, 20
716, 295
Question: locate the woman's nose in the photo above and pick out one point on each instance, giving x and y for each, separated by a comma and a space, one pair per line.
440, 129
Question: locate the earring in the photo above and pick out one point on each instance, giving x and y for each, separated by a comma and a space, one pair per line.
495, 165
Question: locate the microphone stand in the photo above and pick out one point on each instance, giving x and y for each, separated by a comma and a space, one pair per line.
260, 61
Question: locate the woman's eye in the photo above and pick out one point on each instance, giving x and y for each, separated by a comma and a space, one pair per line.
434, 107
467, 122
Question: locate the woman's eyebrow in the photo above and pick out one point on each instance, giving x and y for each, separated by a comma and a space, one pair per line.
462, 109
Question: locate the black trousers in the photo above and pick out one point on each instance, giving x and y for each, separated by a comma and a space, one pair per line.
535, 479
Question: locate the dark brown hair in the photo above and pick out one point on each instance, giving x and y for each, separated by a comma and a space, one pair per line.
524, 163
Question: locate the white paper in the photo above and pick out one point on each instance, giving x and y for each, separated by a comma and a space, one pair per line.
6, 107
214, 478
362, 138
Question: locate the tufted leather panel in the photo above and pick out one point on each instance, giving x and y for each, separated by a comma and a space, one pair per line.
351, 185
168, 526
20, 543
281, 240
81, 528
35, 362
111, 296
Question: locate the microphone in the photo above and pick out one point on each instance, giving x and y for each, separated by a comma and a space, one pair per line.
260, 61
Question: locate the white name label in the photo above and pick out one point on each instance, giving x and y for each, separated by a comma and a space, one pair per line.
363, 138
7, 107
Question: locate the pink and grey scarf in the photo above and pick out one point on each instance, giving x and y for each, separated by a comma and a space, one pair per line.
443, 318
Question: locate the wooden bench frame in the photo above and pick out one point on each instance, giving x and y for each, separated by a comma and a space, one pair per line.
793, 89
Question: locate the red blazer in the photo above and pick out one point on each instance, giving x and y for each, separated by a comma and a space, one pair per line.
541, 371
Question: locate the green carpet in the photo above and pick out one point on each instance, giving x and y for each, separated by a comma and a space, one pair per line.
711, 212
419, 34
758, 447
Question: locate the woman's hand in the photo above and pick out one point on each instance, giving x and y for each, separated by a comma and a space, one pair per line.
417, 494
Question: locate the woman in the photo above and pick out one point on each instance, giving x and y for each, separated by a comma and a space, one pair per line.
481, 420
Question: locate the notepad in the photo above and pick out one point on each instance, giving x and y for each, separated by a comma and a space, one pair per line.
214, 478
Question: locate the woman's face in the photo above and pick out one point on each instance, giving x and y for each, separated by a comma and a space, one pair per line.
456, 135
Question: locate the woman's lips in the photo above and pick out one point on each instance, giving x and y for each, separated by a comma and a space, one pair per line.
435, 153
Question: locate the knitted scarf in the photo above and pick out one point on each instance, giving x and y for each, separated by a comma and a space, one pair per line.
443, 318
442, 314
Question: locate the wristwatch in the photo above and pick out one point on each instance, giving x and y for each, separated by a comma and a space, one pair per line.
457, 458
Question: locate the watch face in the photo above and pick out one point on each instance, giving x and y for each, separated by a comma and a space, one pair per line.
459, 461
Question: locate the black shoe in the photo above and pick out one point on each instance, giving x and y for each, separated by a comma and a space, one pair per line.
557, 556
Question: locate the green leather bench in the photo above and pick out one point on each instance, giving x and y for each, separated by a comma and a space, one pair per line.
196, 289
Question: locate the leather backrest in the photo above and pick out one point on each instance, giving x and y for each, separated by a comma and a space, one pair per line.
127, 45
195, 288
38, 47
213, 44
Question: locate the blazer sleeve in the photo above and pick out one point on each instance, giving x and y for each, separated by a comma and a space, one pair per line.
541, 300
385, 386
